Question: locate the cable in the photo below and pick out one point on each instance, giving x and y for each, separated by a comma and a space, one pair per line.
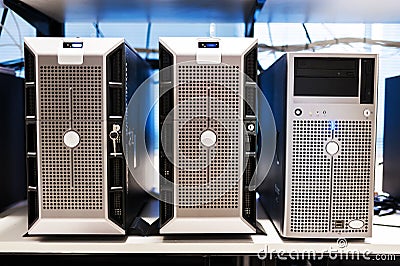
145, 50
386, 205
2, 27
12, 37
328, 30
3, 19
265, 48
148, 34
8, 45
326, 44
307, 35
270, 37
212, 30
99, 33
306, 31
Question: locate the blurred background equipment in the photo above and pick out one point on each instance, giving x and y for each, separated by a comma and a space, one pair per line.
12, 150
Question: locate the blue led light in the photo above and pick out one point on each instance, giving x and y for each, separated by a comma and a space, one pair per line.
332, 125
211, 45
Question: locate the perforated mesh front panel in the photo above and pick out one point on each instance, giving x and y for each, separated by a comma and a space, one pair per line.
310, 173
208, 98
55, 166
88, 166
352, 175
70, 97
327, 192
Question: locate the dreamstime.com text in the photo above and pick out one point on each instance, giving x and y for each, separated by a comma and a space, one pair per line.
330, 253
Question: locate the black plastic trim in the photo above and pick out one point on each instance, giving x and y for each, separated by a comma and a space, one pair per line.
31, 136
367, 81
166, 105
116, 103
249, 197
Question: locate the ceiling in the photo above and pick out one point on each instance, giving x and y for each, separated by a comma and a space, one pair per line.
331, 11
146, 10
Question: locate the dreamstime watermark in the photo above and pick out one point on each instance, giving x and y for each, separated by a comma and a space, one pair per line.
341, 252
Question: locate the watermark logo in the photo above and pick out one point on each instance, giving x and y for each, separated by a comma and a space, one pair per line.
262, 254
342, 242
340, 251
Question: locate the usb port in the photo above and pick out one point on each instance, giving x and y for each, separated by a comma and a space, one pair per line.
339, 224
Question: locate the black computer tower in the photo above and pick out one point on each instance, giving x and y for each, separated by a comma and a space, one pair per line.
12, 151
391, 144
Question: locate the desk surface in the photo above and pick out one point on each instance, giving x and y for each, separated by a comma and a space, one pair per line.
13, 223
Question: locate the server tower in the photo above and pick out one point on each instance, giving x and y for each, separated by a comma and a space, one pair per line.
208, 141
12, 155
76, 93
321, 182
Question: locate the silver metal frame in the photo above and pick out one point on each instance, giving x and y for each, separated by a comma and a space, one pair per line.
207, 220
74, 224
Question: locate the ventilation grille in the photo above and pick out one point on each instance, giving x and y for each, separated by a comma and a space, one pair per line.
117, 74
88, 165
329, 192
87, 100
65, 86
208, 98
70, 97
30, 136
117, 170
310, 177
29, 65
33, 210
31, 170
117, 91
116, 206
30, 100
166, 104
352, 175
251, 64
116, 100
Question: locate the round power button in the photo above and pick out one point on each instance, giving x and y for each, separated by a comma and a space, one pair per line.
367, 112
208, 138
332, 147
298, 112
71, 139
